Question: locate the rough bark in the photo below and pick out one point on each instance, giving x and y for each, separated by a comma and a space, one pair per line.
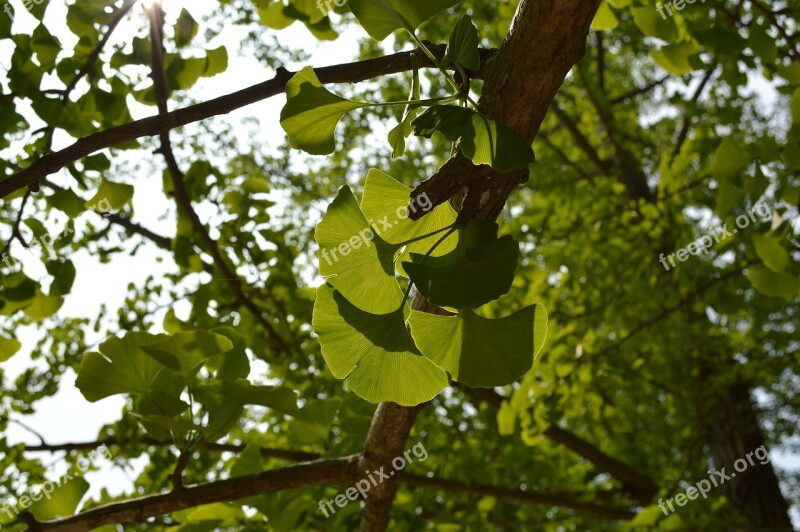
546, 38
731, 433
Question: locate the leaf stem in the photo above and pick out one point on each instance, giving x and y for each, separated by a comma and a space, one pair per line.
423, 237
452, 229
441, 99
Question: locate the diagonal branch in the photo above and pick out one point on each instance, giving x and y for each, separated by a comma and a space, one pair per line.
182, 194
155, 125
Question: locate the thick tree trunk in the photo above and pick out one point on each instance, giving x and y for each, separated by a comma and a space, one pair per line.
731, 434
546, 38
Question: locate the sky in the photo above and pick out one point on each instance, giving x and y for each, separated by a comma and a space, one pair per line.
67, 416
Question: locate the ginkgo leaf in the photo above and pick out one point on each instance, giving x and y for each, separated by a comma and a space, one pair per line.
312, 112
354, 259
385, 204
771, 252
604, 19
480, 270
729, 160
375, 353
381, 17
184, 352
774, 284
62, 501
463, 45
121, 368
481, 352
483, 140
8, 348
116, 195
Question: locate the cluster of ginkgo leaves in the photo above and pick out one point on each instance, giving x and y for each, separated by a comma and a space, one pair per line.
366, 329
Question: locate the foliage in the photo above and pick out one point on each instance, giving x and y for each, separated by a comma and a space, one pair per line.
669, 128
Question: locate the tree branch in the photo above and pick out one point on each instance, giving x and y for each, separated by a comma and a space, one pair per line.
155, 125
551, 499
545, 40
340, 471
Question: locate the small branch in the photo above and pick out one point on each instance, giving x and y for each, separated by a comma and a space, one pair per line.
636, 92
684, 131
344, 73
15, 234
182, 196
550, 499
87, 67
132, 227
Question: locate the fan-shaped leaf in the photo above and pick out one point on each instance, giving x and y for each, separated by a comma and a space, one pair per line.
312, 112
381, 17
482, 352
483, 140
375, 353
354, 260
480, 270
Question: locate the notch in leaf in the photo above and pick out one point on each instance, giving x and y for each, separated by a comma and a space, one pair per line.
483, 140
382, 17
375, 353
482, 352
312, 112
479, 270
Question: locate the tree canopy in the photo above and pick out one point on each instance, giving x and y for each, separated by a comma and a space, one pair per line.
525, 265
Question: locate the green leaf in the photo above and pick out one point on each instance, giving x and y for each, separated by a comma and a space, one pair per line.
729, 160
115, 194
121, 368
463, 45
795, 106
653, 24
312, 112
8, 348
43, 306
63, 276
481, 352
385, 202
471, 275
774, 284
375, 353
354, 260
483, 140
185, 29
248, 463
63, 501
771, 252
184, 352
240, 391
271, 14
675, 58
604, 19
398, 134
381, 17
